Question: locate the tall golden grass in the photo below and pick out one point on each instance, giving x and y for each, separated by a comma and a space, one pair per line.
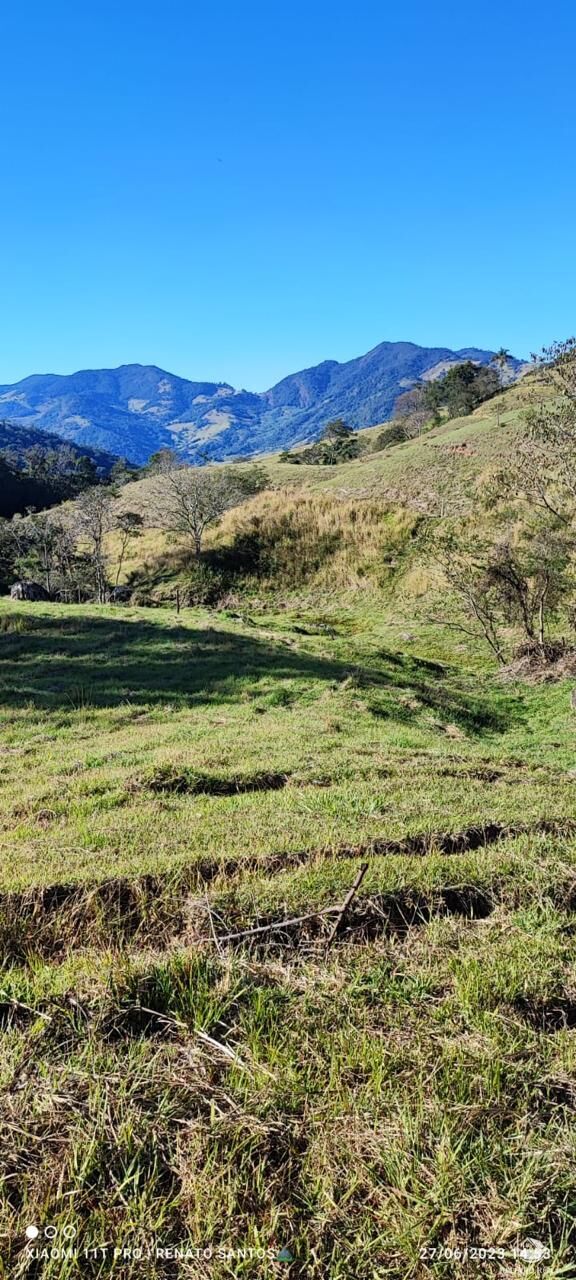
319, 538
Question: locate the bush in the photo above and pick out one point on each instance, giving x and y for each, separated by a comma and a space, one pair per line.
204, 585
394, 434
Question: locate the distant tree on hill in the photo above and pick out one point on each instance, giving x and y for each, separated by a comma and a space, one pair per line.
92, 520
162, 461
96, 514
462, 389
389, 436
128, 526
122, 473
336, 430
500, 359
338, 443
412, 411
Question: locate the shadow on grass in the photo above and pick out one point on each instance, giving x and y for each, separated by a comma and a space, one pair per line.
440, 688
92, 661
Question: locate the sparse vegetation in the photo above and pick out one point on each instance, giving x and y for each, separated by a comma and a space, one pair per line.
520, 576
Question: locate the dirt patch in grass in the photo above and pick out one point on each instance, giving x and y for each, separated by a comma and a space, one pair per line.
465, 841
555, 1014
189, 782
13, 1014
482, 773
369, 918
53, 920
534, 664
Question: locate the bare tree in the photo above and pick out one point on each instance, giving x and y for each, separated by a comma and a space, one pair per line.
128, 525
464, 570
93, 519
506, 582
187, 500
500, 362
412, 412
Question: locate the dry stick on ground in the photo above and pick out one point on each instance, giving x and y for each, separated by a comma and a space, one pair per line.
346, 903
311, 915
212, 929
224, 1049
19, 1004
276, 924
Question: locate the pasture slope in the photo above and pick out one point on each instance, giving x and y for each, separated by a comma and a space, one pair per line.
200, 1054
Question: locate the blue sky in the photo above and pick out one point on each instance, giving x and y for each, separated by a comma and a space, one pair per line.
238, 190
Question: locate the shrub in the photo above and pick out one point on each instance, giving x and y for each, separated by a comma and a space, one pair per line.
205, 585
394, 434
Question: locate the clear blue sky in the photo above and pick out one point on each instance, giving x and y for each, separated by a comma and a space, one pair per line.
235, 190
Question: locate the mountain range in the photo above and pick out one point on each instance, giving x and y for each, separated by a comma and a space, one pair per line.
137, 409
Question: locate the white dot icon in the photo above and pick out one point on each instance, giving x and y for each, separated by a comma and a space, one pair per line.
32, 1232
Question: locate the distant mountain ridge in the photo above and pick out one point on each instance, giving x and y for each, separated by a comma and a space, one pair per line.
136, 409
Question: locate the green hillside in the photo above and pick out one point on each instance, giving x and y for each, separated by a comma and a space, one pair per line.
346, 525
417, 471
417, 467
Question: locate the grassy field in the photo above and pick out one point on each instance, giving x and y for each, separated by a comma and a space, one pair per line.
283, 1102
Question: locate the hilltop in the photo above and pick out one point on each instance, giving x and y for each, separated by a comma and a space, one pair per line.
136, 409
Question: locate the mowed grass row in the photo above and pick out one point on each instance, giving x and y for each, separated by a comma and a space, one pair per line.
135, 741
408, 1088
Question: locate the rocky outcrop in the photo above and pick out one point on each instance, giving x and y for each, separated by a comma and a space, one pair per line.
28, 591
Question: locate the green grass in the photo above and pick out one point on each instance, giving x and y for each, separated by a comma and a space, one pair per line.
99, 705
423, 469
167, 781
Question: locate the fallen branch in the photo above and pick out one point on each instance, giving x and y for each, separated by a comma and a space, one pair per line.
346, 903
168, 1018
19, 1004
212, 929
276, 925
224, 1049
